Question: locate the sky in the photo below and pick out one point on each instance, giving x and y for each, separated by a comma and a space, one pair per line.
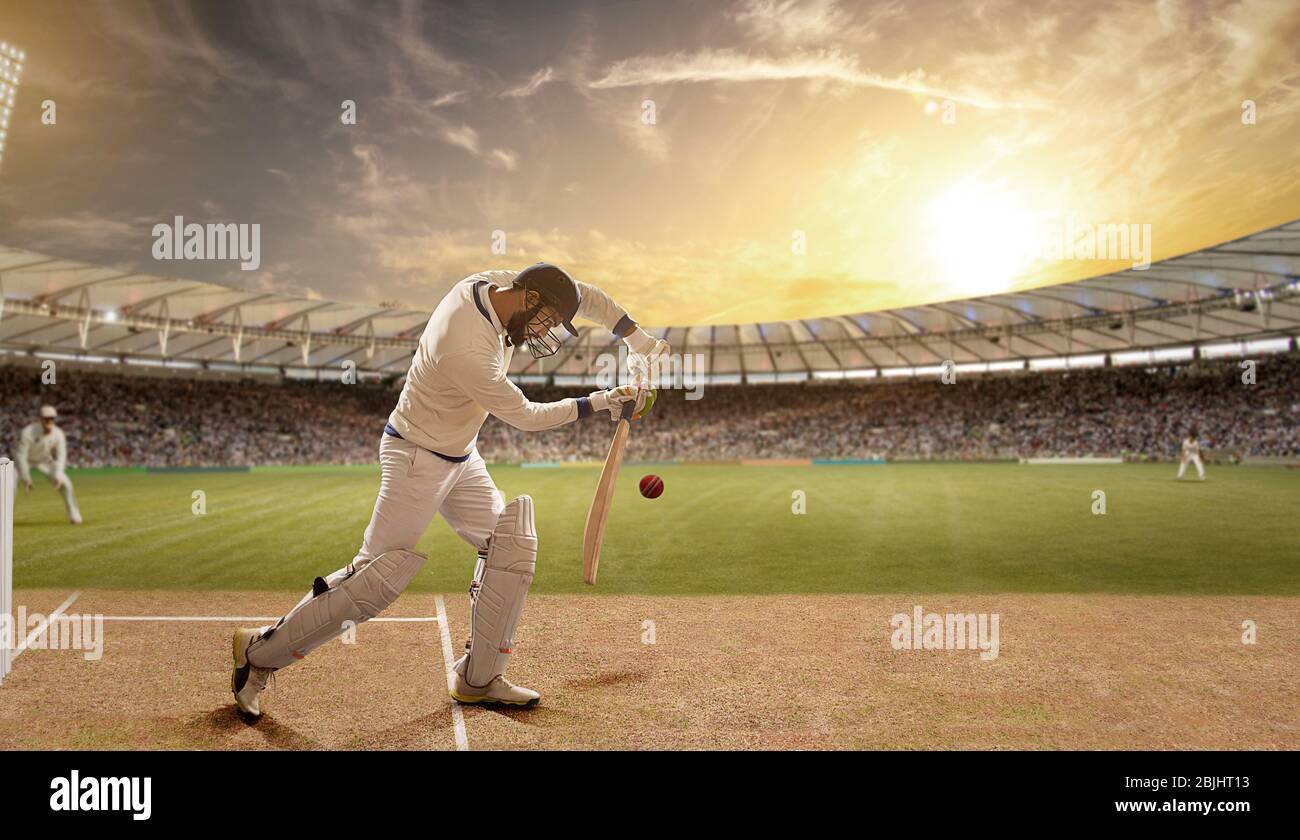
703, 162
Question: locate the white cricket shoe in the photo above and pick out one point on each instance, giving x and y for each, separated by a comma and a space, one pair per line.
248, 681
500, 690
75, 518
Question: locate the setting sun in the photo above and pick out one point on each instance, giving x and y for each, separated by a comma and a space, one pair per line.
978, 239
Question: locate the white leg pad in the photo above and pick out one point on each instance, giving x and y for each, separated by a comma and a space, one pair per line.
497, 594
352, 595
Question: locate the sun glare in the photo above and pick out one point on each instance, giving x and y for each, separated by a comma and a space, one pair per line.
978, 238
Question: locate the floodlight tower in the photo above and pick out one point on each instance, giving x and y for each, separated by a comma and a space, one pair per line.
11, 71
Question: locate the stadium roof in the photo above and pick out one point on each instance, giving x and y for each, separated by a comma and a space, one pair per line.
1243, 290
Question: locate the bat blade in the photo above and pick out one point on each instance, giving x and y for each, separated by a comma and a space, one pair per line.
594, 534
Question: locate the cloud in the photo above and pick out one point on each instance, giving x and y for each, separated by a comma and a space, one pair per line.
829, 66
454, 98
650, 140
505, 158
793, 21
464, 137
467, 138
541, 77
91, 230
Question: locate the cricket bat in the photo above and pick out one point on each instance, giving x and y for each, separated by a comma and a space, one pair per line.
597, 515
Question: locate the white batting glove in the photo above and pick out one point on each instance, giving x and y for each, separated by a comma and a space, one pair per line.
642, 371
614, 399
645, 355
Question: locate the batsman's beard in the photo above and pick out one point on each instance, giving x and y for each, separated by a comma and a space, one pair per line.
528, 328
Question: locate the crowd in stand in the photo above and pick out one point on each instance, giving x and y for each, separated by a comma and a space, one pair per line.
117, 420
121, 420
1132, 412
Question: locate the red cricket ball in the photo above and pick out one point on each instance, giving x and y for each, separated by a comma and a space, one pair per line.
652, 486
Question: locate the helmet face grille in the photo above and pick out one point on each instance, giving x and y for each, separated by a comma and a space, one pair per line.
542, 346
539, 333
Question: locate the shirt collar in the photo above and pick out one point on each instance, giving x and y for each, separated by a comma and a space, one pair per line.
484, 304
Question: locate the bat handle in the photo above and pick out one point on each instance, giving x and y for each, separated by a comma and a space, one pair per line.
629, 408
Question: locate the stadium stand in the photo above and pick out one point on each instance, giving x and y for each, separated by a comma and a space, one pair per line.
163, 371
114, 419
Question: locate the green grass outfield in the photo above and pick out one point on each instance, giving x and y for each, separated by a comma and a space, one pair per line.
717, 529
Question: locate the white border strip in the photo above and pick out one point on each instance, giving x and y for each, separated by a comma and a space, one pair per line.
457, 716
1086, 461
242, 619
36, 634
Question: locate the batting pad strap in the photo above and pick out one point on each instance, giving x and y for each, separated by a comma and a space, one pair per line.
350, 599
503, 580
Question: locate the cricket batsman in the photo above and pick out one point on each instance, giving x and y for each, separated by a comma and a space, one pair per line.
430, 464
43, 445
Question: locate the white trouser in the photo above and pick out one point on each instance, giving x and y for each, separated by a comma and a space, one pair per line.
416, 485
1195, 459
65, 490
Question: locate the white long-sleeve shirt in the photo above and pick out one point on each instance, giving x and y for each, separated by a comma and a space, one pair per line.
35, 448
458, 374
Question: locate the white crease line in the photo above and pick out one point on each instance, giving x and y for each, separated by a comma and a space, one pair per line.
41, 628
457, 716
245, 619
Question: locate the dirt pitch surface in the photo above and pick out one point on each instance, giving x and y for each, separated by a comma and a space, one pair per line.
762, 672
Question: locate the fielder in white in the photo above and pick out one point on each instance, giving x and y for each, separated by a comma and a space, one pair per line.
44, 446
430, 465
1191, 454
